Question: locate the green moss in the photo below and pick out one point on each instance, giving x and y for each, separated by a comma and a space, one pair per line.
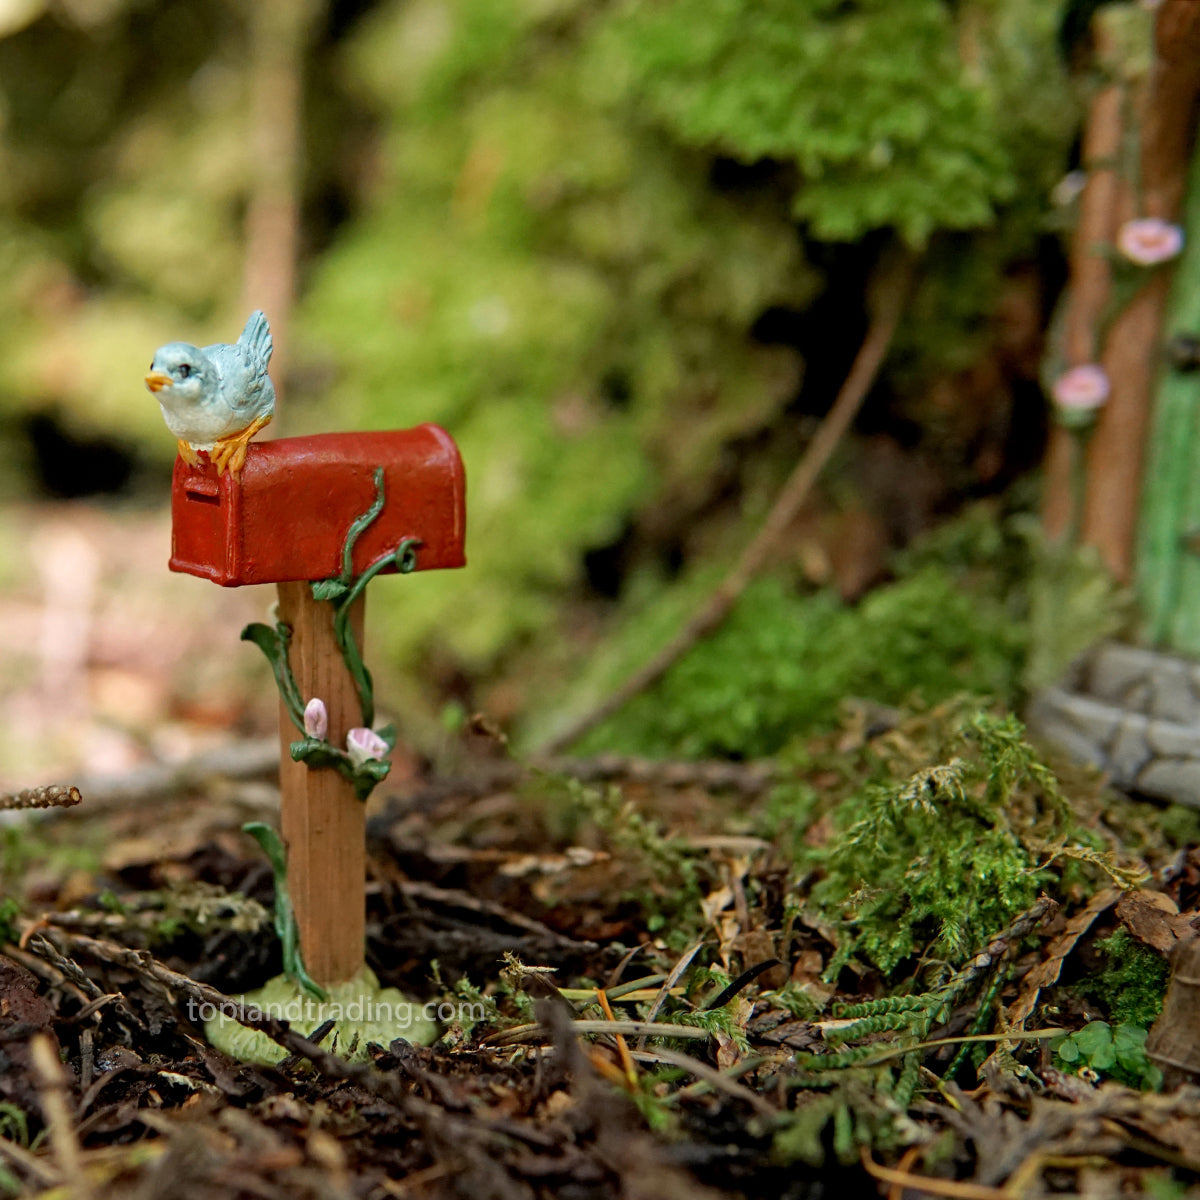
1133, 981
938, 863
1179, 824
783, 662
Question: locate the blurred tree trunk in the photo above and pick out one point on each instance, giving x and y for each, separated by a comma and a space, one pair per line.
1166, 107
279, 33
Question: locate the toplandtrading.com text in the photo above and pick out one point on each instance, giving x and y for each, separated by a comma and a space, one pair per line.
304, 1010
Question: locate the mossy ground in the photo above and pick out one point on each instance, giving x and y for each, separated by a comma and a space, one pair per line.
834, 925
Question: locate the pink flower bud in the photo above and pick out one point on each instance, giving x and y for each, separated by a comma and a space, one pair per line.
363, 744
1082, 388
316, 719
1149, 241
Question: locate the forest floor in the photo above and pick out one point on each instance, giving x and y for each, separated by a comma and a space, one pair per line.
649, 1005
906, 957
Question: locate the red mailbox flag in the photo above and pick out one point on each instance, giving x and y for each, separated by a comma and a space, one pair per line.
285, 517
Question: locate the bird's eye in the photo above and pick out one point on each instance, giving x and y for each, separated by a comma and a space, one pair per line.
184, 370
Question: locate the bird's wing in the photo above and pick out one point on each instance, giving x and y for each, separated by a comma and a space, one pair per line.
243, 383
256, 338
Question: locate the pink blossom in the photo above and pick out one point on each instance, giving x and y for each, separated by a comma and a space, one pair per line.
364, 744
1082, 388
316, 719
1149, 241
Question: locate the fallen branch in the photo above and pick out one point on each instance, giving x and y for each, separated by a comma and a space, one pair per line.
54, 795
890, 299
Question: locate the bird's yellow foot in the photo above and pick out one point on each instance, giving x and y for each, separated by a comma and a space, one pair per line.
229, 453
188, 455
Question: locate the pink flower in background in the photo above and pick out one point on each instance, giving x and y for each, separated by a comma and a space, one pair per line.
1082, 388
363, 744
316, 719
1149, 241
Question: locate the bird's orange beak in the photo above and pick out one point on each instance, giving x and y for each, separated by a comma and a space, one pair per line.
157, 380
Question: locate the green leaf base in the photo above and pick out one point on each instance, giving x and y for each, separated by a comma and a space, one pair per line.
365, 1012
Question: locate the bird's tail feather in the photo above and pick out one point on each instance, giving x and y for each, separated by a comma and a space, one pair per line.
257, 336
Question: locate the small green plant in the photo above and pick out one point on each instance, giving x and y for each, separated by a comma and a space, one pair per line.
14, 1124
858, 1110
665, 873
112, 903
1114, 1052
910, 1018
729, 1019
475, 999
795, 999
10, 910
654, 1098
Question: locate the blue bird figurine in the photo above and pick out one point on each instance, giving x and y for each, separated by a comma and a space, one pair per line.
216, 398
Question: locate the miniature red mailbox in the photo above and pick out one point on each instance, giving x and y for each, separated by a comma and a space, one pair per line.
288, 518
285, 517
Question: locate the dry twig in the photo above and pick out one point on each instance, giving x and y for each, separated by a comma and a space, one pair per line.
53, 795
53, 1093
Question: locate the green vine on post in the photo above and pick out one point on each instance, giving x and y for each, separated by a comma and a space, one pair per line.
286, 928
341, 591
273, 642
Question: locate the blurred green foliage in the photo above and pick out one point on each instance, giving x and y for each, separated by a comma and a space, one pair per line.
783, 663
551, 225
552, 267
872, 102
123, 172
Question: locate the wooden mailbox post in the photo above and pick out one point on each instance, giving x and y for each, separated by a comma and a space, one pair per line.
286, 519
